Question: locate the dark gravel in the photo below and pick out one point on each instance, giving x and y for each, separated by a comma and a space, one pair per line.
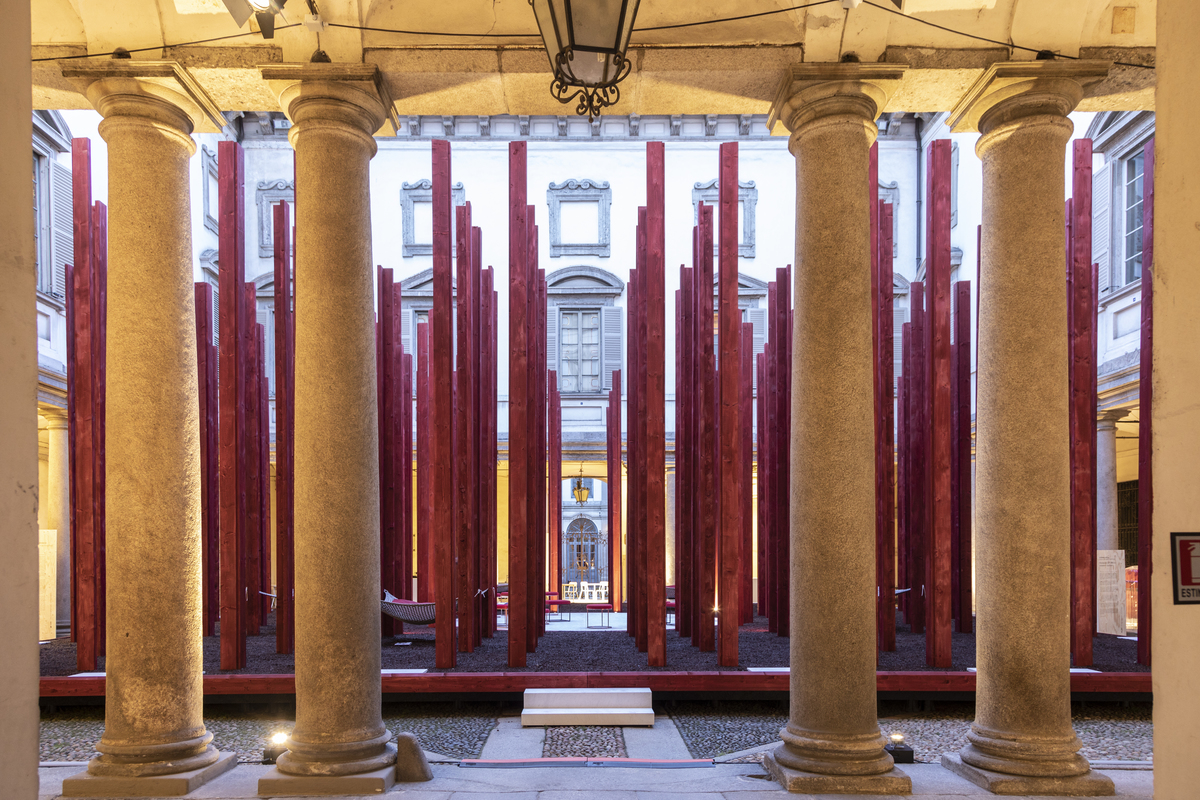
596, 651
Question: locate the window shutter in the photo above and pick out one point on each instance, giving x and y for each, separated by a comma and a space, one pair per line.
552, 338
62, 237
407, 333
612, 331
266, 318
216, 326
758, 318
899, 317
1102, 224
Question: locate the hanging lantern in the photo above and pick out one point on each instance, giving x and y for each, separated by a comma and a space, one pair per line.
580, 490
586, 42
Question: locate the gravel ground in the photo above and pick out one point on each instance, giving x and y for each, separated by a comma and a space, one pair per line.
584, 741
70, 734
1108, 731
586, 651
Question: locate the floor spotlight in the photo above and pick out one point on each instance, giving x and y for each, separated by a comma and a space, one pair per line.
264, 12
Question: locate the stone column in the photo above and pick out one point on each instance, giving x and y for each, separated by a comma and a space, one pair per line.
832, 742
1022, 741
57, 502
154, 740
1106, 478
340, 744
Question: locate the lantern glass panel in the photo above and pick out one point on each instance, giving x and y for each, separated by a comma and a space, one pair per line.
595, 24
551, 18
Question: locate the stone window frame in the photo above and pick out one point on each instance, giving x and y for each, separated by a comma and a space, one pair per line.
577, 190
209, 168
422, 192
267, 194
708, 192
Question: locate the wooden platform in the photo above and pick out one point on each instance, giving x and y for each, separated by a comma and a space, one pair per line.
501, 682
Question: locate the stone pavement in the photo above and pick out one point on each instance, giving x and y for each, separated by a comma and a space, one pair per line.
721, 782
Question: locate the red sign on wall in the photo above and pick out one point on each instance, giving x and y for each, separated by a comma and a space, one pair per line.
1185, 567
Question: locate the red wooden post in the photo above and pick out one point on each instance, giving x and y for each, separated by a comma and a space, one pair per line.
478, 426
962, 348
706, 437
745, 476
252, 360
285, 343
881, 500
780, 583
656, 463
615, 528
208, 480
465, 468
685, 453
730, 322
760, 423
441, 409
887, 640
1146, 397
636, 625
487, 453
233, 429
99, 302
385, 339
903, 473
519, 479
916, 464
1082, 407
400, 568
426, 574
264, 466
643, 445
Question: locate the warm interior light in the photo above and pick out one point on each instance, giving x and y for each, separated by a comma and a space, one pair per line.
259, 5
279, 738
898, 738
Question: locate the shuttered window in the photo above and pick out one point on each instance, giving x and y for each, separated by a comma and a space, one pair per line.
1102, 225
580, 346
1132, 197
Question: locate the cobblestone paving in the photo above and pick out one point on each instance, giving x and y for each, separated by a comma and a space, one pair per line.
1108, 731
71, 734
584, 741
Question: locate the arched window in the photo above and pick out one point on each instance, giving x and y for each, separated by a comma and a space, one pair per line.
585, 552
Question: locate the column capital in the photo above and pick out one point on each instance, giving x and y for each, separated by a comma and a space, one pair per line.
1108, 419
352, 95
812, 91
160, 92
1013, 90
53, 418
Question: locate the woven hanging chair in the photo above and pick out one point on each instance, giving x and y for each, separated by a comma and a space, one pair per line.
408, 611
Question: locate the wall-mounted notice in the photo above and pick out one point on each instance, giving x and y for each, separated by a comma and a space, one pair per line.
1110, 592
1185, 567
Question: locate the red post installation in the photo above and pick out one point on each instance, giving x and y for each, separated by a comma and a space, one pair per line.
285, 351
781, 538
441, 409
231, 302
876, 379
962, 354
426, 575
253, 367
1082, 405
487, 458
637, 427
656, 437
401, 565
903, 473
478, 426
210, 508
264, 466
730, 337
706, 439
466, 468
554, 486
519, 445
745, 476
616, 570
887, 550
1146, 397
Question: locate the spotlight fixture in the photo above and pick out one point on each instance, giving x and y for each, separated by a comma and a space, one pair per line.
586, 41
264, 12
901, 753
276, 748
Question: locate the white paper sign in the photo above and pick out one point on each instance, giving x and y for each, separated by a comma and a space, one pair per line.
1110, 592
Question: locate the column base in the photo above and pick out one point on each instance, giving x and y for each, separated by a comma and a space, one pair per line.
275, 783
893, 781
1090, 784
177, 784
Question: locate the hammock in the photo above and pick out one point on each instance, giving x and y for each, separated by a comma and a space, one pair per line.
408, 610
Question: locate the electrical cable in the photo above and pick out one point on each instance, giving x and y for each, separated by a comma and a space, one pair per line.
1010, 45
165, 46
732, 19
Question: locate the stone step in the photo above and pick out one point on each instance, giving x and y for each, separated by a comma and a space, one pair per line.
587, 716
588, 698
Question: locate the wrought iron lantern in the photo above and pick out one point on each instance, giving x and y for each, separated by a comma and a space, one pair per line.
580, 490
586, 42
